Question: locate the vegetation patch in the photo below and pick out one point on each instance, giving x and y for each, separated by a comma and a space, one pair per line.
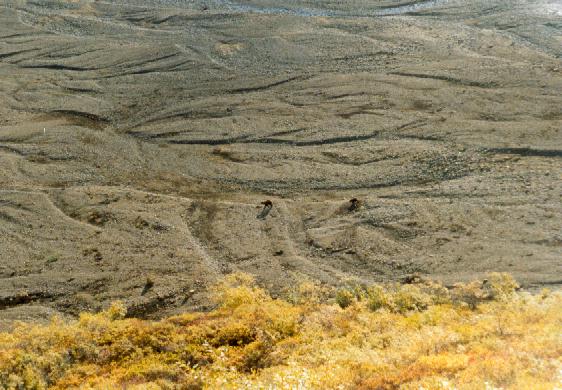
479, 335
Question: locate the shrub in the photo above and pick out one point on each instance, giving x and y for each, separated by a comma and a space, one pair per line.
344, 298
255, 356
469, 294
309, 293
410, 297
379, 298
501, 286
237, 289
234, 335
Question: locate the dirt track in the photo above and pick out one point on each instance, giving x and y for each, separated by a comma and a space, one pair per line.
137, 140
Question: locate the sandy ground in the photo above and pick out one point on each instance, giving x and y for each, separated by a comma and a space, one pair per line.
139, 138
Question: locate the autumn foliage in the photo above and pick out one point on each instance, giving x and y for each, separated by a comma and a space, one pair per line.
480, 335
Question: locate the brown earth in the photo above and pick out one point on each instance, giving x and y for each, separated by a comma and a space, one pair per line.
138, 140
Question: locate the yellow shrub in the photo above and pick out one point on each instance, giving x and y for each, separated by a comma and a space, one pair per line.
501, 286
237, 289
234, 334
309, 293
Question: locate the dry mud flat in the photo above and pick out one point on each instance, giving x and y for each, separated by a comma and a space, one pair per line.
138, 138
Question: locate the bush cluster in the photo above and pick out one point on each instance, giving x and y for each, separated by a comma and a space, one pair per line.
413, 336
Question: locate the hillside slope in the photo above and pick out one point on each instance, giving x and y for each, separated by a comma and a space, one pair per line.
138, 140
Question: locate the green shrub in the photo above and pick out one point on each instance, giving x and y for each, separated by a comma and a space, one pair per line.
379, 298
410, 297
344, 298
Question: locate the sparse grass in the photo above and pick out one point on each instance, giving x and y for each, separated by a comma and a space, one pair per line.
419, 336
52, 259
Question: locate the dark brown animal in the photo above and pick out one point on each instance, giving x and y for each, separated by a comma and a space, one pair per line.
355, 203
267, 206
